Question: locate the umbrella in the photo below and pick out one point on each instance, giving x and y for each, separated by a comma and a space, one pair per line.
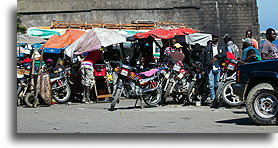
183, 31
109, 37
23, 38
42, 33
165, 34
200, 38
94, 39
88, 42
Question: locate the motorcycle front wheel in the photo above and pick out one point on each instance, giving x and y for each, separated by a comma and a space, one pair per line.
116, 96
62, 94
179, 98
30, 100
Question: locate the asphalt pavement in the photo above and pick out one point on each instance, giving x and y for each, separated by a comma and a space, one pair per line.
172, 118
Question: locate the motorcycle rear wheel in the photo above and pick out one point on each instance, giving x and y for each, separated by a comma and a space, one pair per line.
194, 95
228, 96
153, 98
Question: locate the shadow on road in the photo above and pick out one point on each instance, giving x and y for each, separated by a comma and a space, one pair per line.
240, 121
239, 112
131, 107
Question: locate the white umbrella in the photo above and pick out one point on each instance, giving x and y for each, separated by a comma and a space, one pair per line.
88, 42
200, 38
23, 38
94, 39
109, 37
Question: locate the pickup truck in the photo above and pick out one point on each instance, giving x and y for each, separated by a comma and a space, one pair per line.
256, 84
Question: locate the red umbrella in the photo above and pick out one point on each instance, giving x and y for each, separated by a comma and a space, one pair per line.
165, 34
142, 35
161, 34
183, 31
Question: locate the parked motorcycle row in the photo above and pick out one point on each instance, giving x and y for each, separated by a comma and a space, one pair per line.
154, 86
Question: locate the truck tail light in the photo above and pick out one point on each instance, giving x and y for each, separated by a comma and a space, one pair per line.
238, 76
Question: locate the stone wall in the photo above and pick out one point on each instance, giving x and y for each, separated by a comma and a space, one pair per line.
210, 16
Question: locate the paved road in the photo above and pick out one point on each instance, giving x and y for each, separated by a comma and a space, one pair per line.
173, 118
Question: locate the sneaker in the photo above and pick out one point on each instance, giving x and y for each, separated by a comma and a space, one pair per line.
214, 105
89, 102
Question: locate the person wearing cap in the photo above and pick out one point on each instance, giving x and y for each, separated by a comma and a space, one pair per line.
214, 53
231, 47
248, 34
247, 45
178, 47
177, 55
269, 50
49, 67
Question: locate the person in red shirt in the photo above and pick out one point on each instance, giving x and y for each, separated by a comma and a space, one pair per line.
27, 56
87, 73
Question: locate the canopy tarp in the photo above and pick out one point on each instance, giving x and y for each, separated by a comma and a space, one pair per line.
94, 39
61, 42
165, 34
24, 38
183, 31
42, 33
109, 37
88, 42
130, 33
200, 38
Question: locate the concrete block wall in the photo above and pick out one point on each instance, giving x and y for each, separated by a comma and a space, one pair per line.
210, 16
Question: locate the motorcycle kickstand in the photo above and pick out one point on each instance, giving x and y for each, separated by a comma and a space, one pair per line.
140, 103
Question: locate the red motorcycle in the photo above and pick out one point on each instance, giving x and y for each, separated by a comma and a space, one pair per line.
136, 85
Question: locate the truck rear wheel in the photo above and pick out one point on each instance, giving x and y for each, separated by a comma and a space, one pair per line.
261, 104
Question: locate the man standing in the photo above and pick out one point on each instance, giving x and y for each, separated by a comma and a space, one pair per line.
87, 73
255, 44
214, 53
269, 50
231, 47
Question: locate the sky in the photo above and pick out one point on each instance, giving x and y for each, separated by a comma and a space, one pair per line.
268, 14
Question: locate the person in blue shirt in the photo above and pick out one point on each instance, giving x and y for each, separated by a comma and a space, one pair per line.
247, 45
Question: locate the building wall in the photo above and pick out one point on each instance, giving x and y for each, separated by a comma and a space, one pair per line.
210, 16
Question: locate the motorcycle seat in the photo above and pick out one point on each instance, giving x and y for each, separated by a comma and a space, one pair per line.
149, 73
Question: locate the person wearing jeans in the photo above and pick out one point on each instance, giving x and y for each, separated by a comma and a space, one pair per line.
214, 53
213, 79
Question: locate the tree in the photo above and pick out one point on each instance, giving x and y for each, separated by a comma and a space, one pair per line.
20, 27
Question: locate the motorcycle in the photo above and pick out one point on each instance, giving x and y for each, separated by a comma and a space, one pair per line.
60, 87
224, 92
23, 80
198, 89
175, 83
135, 85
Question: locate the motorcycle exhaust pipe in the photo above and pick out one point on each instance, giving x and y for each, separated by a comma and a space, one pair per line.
150, 90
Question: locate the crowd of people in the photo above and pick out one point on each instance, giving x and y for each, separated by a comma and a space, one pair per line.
209, 58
